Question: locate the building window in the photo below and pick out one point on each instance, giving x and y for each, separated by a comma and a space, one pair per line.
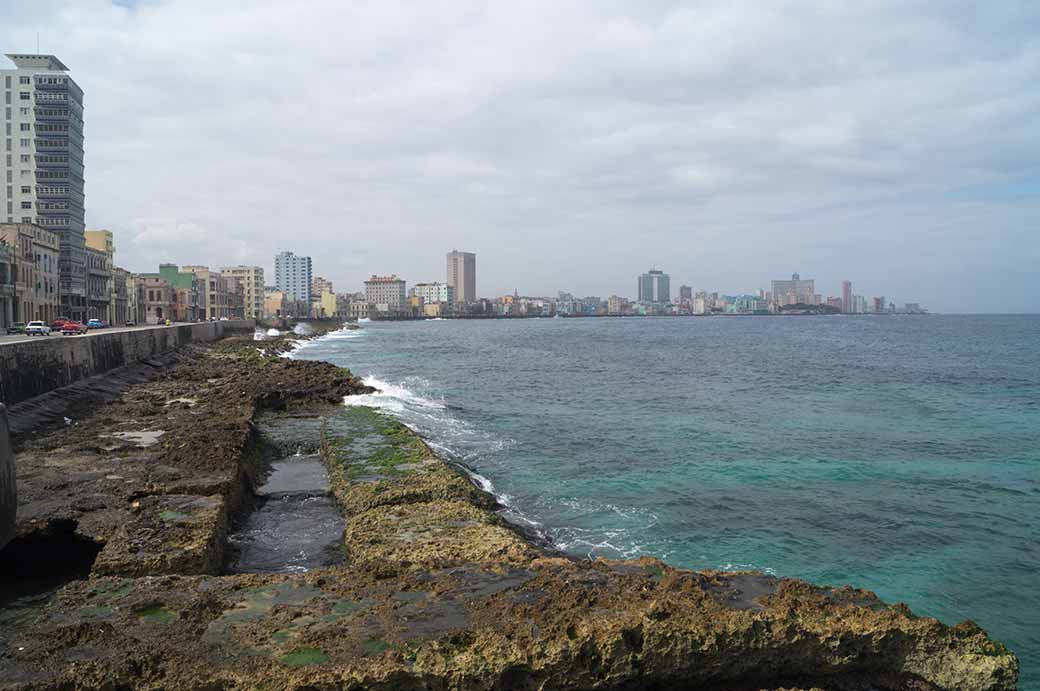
23, 95
25, 143
25, 127
26, 205
26, 190
23, 80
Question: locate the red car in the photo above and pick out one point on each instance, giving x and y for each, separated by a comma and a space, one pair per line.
58, 323
73, 328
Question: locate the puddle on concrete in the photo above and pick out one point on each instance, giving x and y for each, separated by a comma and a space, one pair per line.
144, 438
295, 527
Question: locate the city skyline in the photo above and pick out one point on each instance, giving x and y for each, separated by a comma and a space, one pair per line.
733, 169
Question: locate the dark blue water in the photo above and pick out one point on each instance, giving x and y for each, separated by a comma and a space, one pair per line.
899, 454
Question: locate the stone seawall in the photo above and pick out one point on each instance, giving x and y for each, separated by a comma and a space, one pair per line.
31, 368
8, 493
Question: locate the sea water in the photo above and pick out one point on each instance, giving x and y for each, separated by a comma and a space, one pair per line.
895, 453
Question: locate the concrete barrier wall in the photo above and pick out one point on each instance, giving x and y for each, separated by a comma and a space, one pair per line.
8, 491
34, 367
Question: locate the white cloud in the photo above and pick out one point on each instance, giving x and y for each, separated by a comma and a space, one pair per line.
570, 144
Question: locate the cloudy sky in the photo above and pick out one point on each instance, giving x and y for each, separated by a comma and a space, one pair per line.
571, 145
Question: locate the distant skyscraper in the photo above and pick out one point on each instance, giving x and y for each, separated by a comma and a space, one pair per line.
794, 291
462, 275
292, 274
685, 293
43, 164
654, 287
846, 297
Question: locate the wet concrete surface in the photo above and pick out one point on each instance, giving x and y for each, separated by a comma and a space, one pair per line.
295, 525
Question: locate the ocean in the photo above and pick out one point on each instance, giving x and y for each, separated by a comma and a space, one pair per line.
899, 454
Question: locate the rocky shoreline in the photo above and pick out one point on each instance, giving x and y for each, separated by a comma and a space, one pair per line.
132, 504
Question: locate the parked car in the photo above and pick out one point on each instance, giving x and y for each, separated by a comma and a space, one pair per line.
16, 328
95, 324
73, 328
37, 329
58, 323
131, 322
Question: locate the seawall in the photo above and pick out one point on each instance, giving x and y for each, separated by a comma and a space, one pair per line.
8, 491
34, 367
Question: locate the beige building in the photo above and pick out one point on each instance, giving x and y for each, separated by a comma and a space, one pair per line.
252, 280
120, 296
236, 298
213, 292
98, 306
157, 298
274, 303
35, 276
387, 293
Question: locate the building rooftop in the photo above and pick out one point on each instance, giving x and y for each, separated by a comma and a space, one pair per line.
42, 62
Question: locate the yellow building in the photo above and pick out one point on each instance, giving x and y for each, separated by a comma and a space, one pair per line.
251, 279
274, 304
328, 304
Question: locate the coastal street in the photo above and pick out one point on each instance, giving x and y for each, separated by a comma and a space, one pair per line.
20, 338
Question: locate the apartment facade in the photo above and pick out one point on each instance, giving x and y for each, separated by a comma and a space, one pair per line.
100, 241
8, 292
213, 292
157, 299
99, 290
387, 293
292, 275
462, 275
184, 288
42, 169
274, 303
120, 296
251, 278
434, 293
36, 253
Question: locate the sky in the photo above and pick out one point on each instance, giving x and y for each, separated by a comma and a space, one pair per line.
570, 145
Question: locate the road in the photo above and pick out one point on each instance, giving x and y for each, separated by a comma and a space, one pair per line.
19, 338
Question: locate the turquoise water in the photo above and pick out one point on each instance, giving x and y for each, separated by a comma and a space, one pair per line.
899, 454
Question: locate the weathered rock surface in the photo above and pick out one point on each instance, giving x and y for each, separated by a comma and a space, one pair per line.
437, 592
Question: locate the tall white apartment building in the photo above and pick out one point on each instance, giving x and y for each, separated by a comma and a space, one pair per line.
251, 278
42, 164
462, 275
292, 275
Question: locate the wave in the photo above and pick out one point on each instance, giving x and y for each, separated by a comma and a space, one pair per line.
455, 440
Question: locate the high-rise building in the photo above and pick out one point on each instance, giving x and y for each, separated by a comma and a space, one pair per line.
846, 297
654, 287
462, 275
794, 292
42, 166
292, 275
251, 278
685, 293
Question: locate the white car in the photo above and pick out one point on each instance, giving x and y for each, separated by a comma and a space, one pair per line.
37, 329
